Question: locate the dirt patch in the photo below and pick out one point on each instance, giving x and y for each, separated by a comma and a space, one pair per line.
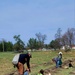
72, 73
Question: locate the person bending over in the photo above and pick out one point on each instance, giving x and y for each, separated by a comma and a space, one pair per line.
23, 58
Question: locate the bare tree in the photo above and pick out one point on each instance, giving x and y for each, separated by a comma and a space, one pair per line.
69, 37
64, 40
41, 38
58, 36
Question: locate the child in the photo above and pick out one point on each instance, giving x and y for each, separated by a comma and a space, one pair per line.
41, 72
26, 72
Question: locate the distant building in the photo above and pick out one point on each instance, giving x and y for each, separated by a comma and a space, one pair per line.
73, 47
63, 48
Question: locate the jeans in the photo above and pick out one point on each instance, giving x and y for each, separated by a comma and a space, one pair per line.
57, 64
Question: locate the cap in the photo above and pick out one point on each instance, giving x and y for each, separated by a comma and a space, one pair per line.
60, 52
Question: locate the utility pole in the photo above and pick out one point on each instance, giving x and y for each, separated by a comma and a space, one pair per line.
3, 44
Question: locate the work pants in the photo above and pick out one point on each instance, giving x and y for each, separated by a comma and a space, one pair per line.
20, 68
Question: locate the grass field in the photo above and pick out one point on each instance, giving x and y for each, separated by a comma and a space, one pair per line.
39, 60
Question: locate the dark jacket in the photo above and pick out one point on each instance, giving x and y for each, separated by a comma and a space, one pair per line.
22, 60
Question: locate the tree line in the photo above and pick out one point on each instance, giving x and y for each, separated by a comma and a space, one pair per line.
66, 39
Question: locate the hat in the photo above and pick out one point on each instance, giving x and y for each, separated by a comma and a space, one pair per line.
60, 52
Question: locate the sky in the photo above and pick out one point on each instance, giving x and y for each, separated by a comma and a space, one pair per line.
28, 17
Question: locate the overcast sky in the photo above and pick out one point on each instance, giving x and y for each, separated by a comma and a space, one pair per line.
28, 17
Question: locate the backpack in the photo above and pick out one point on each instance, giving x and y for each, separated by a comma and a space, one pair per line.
15, 59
